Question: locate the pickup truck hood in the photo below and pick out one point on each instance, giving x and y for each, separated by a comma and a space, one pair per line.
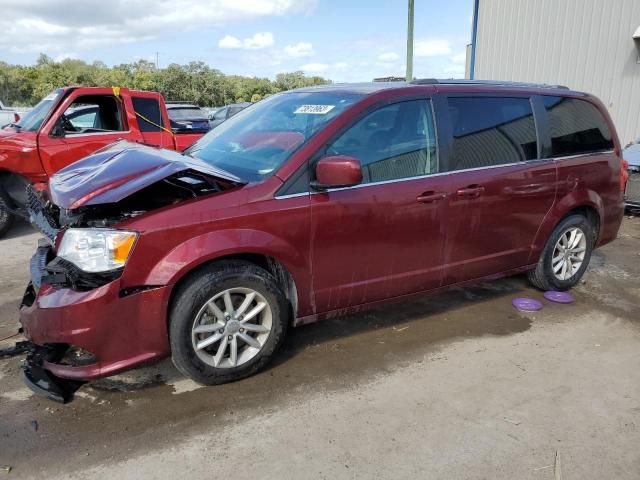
13, 138
120, 170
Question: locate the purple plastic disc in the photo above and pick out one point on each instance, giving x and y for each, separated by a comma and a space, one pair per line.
559, 297
527, 304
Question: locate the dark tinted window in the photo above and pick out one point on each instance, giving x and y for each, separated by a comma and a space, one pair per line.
147, 111
576, 126
491, 131
396, 141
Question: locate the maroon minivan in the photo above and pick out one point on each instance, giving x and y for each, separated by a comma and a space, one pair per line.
310, 204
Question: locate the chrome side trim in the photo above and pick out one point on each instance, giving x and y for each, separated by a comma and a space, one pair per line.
418, 177
588, 154
91, 134
386, 182
293, 195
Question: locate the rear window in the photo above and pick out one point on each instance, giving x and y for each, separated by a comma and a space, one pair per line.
234, 110
183, 113
148, 114
576, 127
489, 131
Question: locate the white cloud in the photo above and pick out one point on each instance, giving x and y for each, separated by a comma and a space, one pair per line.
259, 40
53, 27
65, 56
301, 49
431, 48
324, 67
229, 41
314, 67
388, 57
255, 42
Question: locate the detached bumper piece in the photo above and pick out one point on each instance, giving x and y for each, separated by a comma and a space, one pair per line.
43, 382
18, 349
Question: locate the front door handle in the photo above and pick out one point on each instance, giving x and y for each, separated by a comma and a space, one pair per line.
428, 197
472, 191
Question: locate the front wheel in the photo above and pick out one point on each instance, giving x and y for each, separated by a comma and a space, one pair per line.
227, 322
566, 255
6, 219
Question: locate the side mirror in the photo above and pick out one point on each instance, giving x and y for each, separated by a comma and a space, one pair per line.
337, 171
58, 129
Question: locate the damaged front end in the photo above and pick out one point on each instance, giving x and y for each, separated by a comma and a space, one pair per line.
74, 292
115, 184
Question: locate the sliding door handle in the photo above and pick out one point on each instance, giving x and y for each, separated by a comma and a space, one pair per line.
472, 191
428, 197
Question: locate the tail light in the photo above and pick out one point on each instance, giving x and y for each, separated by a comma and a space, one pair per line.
16, 118
624, 174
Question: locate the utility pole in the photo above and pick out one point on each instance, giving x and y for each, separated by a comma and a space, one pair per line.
157, 60
409, 74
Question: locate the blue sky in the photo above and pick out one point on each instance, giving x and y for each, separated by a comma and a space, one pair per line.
341, 40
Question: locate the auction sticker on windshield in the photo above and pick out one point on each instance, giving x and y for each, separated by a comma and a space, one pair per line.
314, 109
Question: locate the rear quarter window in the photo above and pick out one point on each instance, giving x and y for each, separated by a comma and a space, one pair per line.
576, 127
490, 131
148, 113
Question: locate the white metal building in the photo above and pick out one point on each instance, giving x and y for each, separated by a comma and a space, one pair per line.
588, 45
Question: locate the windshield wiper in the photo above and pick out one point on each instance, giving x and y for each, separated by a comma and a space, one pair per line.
14, 125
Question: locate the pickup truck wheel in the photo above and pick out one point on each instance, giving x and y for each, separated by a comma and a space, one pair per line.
6, 219
226, 322
566, 255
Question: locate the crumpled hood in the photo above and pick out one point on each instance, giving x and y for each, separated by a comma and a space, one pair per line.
119, 170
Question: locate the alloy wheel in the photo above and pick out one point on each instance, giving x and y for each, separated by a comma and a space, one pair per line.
568, 254
231, 328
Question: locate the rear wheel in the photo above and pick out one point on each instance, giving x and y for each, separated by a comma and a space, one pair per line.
6, 219
227, 322
566, 255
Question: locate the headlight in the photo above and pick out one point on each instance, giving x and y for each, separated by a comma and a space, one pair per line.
97, 250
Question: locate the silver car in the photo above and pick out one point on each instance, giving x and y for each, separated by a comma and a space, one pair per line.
632, 194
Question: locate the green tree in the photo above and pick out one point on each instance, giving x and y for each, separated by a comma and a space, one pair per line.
195, 82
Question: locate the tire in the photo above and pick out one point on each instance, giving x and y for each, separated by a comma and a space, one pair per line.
194, 307
543, 275
6, 219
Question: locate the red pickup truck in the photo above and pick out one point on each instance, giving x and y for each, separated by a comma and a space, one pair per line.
71, 123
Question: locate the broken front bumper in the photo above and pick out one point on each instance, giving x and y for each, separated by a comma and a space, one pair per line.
43, 382
120, 330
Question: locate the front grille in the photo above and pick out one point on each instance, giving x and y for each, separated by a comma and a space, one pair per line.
64, 274
39, 262
40, 215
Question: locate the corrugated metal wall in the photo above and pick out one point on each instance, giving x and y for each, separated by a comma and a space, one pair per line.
583, 44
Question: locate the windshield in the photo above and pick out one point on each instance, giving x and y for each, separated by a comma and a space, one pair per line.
186, 113
255, 142
32, 120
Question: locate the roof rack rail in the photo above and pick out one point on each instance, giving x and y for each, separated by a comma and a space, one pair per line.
505, 83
